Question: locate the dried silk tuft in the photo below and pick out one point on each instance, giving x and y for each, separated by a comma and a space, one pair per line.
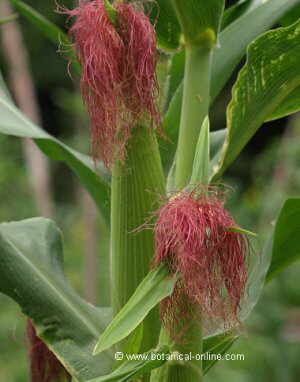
118, 81
193, 237
44, 365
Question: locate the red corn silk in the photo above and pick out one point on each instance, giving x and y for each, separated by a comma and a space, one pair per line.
193, 237
118, 81
44, 365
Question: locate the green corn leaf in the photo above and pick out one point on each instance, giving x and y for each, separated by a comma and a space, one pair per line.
13, 122
286, 243
166, 24
260, 17
49, 29
201, 165
130, 368
289, 106
31, 261
156, 286
199, 20
216, 345
234, 12
267, 78
291, 17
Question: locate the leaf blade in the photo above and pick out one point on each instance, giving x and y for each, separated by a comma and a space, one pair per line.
131, 368
286, 245
201, 166
156, 286
270, 74
15, 123
32, 275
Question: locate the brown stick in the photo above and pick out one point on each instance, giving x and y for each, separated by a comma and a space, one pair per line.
22, 87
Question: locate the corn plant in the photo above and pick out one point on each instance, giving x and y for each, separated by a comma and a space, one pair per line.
184, 274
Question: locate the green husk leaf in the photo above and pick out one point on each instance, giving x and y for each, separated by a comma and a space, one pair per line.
155, 287
131, 368
201, 166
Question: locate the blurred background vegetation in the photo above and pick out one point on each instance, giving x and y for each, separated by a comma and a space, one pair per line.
267, 172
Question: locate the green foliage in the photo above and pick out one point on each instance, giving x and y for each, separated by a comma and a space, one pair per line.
128, 369
235, 11
48, 29
31, 268
263, 84
13, 122
155, 287
31, 251
167, 26
260, 17
200, 173
286, 244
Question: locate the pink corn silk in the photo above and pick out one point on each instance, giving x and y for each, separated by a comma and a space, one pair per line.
192, 238
118, 81
44, 365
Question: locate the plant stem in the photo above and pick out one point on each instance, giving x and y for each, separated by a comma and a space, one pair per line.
182, 370
194, 109
137, 186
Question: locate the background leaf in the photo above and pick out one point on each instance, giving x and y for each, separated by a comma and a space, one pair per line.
156, 286
234, 12
31, 274
262, 85
286, 242
13, 122
49, 29
166, 24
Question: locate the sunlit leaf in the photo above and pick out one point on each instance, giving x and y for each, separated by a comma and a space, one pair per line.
265, 81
